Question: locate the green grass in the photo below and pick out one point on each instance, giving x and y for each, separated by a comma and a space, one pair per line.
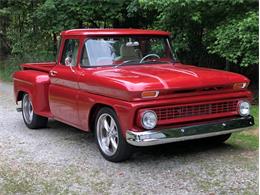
248, 139
7, 68
12, 64
243, 140
255, 113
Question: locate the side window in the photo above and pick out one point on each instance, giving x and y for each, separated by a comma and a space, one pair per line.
70, 52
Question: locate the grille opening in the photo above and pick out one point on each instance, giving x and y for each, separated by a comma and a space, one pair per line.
206, 89
186, 91
176, 112
189, 123
212, 88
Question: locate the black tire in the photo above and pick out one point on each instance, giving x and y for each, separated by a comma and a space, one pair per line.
32, 120
218, 139
123, 150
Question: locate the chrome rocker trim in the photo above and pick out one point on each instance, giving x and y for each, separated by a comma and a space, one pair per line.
214, 128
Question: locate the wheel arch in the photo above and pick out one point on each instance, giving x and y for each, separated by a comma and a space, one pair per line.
20, 95
93, 113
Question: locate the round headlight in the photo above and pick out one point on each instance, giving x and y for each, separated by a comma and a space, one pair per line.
244, 108
149, 119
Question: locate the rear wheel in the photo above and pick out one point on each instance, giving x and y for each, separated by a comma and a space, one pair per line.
31, 120
111, 143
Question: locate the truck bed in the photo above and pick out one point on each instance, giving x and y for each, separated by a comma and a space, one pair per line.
43, 67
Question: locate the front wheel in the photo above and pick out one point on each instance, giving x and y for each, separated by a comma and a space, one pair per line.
111, 143
31, 120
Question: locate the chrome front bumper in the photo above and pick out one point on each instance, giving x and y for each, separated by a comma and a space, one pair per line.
213, 128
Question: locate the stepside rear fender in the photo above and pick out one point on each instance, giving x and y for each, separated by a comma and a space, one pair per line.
36, 84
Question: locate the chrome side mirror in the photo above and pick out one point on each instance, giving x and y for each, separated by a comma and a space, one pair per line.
68, 61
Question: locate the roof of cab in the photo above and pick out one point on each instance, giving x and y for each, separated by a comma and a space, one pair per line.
113, 31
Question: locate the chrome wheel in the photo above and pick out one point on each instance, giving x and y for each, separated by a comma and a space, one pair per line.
27, 109
107, 134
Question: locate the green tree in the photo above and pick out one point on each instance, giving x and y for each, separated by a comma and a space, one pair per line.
34, 25
237, 40
205, 29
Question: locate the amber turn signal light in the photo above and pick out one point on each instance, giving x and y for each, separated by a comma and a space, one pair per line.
150, 94
240, 85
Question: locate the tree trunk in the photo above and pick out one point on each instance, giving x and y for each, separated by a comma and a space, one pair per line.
227, 67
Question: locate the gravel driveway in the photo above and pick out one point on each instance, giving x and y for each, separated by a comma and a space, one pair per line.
61, 159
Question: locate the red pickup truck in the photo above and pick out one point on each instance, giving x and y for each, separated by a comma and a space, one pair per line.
126, 87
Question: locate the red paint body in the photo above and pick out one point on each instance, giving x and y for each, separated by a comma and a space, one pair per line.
70, 96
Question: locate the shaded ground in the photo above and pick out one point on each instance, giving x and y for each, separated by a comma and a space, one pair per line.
61, 159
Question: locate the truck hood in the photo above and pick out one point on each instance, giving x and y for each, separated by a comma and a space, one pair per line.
122, 81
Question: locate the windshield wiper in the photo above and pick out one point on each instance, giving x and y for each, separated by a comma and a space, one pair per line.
145, 62
124, 62
155, 61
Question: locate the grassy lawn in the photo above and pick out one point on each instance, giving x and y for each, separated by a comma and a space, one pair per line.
7, 68
250, 138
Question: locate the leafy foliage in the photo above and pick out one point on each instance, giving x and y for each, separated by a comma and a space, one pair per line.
237, 40
228, 28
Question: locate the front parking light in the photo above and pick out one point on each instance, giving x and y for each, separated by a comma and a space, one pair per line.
240, 85
150, 94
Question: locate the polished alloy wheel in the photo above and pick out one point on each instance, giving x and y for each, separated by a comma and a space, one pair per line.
27, 109
107, 134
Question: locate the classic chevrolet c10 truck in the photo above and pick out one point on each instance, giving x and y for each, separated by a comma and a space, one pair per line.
126, 86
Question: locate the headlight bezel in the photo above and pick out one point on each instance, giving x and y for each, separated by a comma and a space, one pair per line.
143, 123
248, 107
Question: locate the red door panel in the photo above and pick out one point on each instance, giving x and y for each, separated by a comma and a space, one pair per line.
63, 94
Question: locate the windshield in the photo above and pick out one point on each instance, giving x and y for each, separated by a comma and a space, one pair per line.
118, 50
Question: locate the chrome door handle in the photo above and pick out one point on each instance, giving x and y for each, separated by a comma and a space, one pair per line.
53, 72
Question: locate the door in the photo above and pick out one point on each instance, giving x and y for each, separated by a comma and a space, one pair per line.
63, 90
